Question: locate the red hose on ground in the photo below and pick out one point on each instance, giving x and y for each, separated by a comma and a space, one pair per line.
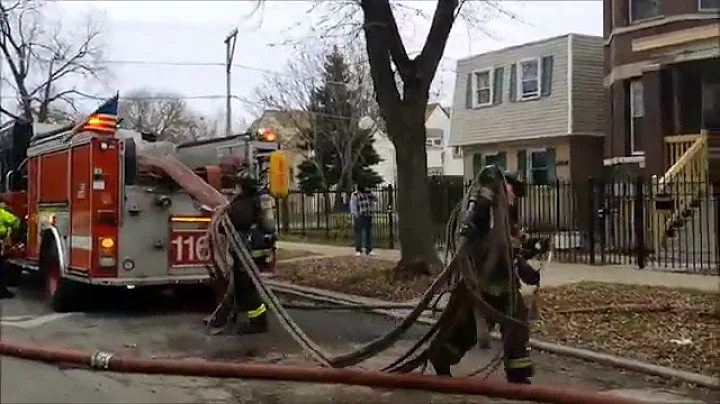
201, 367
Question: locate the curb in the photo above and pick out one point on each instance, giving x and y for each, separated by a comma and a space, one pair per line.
578, 353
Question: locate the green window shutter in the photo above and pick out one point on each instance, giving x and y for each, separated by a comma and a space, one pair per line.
552, 171
512, 92
522, 164
498, 85
547, 72
469, 93
477, 163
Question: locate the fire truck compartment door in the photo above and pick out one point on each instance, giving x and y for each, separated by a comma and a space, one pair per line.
162, 240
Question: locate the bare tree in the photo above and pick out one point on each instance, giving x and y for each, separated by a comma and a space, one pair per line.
165, 115
292, 92
402, 86
47, 59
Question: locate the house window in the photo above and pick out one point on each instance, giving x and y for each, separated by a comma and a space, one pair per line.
456, 152
495, 159
645, 9
709, 5
539, 167
637, 112
435, 171
529, 79
433, 142
488, 159
483, 88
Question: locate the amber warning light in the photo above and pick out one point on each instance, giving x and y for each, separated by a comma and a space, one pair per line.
267, 135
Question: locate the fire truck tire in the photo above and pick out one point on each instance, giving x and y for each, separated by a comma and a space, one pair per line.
13, 275
62, 294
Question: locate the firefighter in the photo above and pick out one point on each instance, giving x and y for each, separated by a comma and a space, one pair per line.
247, 213
8, 223
502, 293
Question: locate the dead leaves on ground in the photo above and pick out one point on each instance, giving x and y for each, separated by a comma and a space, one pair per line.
679, 328
362, 276
285, 254
683, 335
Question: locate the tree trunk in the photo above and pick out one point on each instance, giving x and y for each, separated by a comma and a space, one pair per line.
418, 252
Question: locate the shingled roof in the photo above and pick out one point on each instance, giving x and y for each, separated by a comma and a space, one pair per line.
431, 108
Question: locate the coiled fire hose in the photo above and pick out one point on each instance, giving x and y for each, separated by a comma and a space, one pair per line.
221, 225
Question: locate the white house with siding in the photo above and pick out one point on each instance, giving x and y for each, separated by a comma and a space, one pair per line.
537, 109
441, 158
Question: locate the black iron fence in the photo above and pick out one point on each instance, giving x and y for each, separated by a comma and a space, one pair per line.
662, 225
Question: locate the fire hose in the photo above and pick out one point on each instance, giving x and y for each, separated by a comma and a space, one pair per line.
497, 241
198, 367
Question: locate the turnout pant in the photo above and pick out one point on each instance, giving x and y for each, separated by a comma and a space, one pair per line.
247, 297
516, 358
3, 274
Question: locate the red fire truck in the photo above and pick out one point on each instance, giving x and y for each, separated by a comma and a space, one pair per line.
95, 216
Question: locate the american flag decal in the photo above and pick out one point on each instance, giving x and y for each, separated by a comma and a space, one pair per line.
104, 120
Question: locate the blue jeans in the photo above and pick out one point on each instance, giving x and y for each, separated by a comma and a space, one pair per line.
362, 228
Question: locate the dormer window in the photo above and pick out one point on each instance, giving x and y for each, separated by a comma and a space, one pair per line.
483, 88
529, 79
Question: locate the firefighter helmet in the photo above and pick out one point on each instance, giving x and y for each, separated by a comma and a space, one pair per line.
247, 180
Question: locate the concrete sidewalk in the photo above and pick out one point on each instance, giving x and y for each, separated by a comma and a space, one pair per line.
558, 273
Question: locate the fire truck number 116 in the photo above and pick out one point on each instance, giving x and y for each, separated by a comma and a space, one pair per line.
191, 248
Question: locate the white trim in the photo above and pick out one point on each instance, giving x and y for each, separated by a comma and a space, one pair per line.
570, 82
491, 82
683, 54
702, 9
639, 159
630, 16
491, 153
520, 96
656, 23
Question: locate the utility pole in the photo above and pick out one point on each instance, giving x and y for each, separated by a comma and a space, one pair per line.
229, 53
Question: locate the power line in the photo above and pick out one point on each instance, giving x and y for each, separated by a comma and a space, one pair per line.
148, 98
207, 64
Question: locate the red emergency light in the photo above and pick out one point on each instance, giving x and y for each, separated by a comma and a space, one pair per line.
267, 135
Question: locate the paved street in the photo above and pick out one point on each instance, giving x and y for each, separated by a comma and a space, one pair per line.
155, 325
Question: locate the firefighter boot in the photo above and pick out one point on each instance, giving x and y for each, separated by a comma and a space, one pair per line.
258, 322
6, 294
519, 371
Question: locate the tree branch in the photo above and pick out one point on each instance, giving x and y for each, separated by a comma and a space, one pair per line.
431, 54
386, 91
42, 60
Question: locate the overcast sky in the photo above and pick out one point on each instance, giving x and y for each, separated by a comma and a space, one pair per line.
193, 31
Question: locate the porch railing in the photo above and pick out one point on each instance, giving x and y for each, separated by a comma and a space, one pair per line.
685, 180
676, 146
